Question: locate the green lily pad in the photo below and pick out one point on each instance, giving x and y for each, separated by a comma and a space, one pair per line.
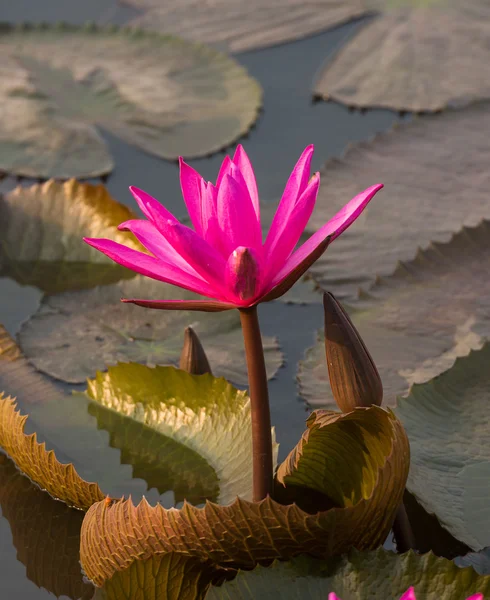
190, 424
75, 334
45, 533
167, 96
41, 230
360, 576
239, 26
435, 171
170, 576
416, 322
446, 421
418, 55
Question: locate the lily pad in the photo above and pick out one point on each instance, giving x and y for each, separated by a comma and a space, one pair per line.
170, 576
359, 576
416, 322
59, 480
480, 561
190, 424
447, 423
239, 26
167, 96
41, 230
436, 176
75, 334
243, 533
418, 55
45, 533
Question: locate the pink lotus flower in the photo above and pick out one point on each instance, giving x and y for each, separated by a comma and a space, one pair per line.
224, 257
410, 595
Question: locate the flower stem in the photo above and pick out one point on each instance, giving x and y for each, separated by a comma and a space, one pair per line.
259, 397
402, 530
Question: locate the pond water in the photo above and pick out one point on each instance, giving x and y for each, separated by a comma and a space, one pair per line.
288, 123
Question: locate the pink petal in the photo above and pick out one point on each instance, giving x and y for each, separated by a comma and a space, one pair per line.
339, 223
236, 217
224, 170
211, 230
204, 305
409, 594
190, 183
476, 597
242, 161
333, 596
281, 247
150, 266
296, 185
145, 201
202, 257
148, 235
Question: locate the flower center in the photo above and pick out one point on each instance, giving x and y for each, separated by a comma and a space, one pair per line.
243, 273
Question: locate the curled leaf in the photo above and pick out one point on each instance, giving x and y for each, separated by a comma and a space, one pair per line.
42, 467
243, 533
41, 232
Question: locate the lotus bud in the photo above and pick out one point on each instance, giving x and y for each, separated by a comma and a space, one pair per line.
354, 378
193, 359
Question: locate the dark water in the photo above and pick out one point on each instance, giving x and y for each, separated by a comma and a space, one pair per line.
289, 122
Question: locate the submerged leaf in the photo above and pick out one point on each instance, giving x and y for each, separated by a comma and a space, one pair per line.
359, 576
447, 423
197, 417
239, 26
243, 533
42, 467
74, 334
416, 322
167, 96
41, 230
418, 55
436, 177
46, 534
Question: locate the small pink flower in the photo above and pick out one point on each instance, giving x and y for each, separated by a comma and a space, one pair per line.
224, 257
410, 595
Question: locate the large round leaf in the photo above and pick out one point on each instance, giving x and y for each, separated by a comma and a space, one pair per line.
192, 422
75, 334
41, 230
46, 534
447, 423
436, 177
419, 55
360, 576
239, 26
416, 322
242, 534
167, 96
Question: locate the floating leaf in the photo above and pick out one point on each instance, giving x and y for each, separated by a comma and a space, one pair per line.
417, 55
167, 96
480, 561
46, 534
416, 322
194, 419
41, 466
41, 230
239, 26
360, 576
74, 334
244, 533
170, 576
446, 420
436, 176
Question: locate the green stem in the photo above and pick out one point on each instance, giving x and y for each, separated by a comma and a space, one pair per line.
259, 397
